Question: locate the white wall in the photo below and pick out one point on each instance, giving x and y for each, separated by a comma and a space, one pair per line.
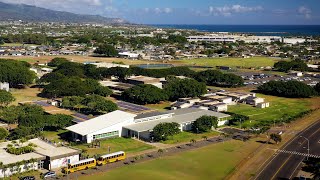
23, 168
221, 123
63, 162
117, 127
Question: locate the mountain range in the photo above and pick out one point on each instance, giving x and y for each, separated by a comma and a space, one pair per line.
32, 13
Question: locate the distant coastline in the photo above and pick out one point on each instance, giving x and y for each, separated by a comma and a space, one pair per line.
262, 30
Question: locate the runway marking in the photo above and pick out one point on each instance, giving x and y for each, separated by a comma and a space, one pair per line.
299, 153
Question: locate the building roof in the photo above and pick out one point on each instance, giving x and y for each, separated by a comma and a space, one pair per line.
42, 150
143, 78
101, 122
182, 116
150, 114
52, 151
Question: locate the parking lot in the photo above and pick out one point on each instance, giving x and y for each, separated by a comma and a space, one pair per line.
256, 79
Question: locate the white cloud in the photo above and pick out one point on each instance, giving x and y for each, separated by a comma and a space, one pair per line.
158, 10
306, 12
229, 10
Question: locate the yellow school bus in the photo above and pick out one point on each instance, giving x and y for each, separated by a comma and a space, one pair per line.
80, 165
110, 158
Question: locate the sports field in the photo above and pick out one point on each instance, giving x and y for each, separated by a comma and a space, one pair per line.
279, 107
231, 62
211, 162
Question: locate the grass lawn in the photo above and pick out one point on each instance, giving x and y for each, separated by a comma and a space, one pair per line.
116, 144
279, 106
27, 94
232, 62
54, 135
160, 107
211, 162
187, 136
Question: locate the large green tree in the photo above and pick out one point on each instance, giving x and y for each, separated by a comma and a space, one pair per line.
3, 133
292, 89
204, 124
106, 50
162, 131
145, 94
217, 78
182, 88
97, 103
15, 72
55, 62
5, 98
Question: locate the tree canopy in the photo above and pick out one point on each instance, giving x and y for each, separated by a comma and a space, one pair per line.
15, 72
5, 98
55, 62
285, 66
89, 104
182, 88
74, 86
32, 119
3, 133
106, 50
217, 78
291, 89
204, 124
145, 94
162, 131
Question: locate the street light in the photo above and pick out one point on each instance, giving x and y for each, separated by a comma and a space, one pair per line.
308, 146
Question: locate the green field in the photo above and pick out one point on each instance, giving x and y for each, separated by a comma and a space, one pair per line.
279, 107
27, 94
210, 162
232, 62
187, 136
116, 144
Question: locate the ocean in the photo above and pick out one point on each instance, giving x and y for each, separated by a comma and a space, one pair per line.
262, 30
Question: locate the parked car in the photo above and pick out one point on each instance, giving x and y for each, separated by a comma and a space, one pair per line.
28, 178
49, 174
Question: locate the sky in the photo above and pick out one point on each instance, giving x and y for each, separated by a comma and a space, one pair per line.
240, 12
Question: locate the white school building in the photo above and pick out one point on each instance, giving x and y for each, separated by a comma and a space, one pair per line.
123, 124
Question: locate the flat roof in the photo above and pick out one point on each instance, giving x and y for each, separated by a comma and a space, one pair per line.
100, 122
42, 150
189, 115
52, 151
149, 114
143, 78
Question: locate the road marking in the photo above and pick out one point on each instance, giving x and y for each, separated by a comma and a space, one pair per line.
285, 145
298, 153
280, 168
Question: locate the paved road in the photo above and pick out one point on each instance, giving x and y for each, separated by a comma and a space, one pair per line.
285, 163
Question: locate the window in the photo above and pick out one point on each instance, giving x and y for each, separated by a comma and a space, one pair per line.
106, 135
